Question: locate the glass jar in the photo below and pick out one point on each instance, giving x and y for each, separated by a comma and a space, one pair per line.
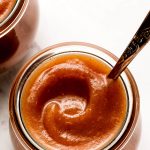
17, 32
129, 136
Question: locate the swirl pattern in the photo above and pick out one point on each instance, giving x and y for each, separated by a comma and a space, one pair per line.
73, 106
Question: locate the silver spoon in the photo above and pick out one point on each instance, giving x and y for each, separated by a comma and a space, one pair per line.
139, 40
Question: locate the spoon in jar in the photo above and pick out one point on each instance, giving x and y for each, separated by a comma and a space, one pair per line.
139, 40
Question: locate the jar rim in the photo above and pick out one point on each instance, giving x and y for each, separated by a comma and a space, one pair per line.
54, 50
14, 17
10, 14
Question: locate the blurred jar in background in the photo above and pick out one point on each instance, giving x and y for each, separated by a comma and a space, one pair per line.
18, 24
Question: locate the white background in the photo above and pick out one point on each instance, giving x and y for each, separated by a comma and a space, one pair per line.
107, 23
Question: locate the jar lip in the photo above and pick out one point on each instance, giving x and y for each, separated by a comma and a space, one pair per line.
68, 47
14, 17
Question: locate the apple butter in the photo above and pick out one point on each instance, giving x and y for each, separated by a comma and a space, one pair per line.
6, 7
68, 103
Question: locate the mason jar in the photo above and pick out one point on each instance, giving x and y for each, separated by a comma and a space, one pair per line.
17, 31
129, 134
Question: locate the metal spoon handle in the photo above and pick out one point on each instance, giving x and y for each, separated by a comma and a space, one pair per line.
139, 40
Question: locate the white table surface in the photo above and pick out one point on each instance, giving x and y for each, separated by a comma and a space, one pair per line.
107, 23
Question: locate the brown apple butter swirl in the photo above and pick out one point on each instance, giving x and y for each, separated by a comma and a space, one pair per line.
70, 105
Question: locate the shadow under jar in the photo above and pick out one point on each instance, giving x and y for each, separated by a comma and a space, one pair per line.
61, 99
18, 25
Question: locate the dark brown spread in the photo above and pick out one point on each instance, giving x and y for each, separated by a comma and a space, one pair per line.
68, 103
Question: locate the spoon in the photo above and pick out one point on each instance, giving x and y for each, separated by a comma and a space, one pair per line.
139, 40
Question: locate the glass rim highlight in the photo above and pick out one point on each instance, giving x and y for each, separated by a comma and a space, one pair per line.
11, 13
